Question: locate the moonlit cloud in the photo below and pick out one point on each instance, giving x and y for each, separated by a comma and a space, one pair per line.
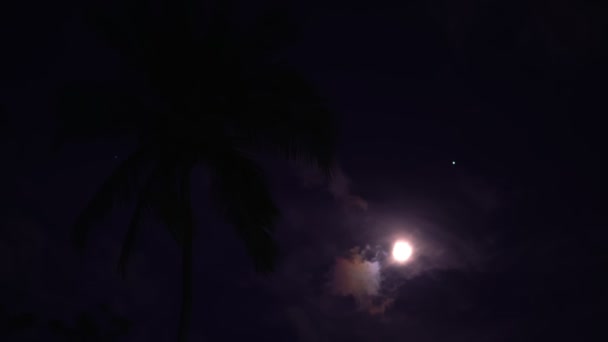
361, 279
356, 277
339, 186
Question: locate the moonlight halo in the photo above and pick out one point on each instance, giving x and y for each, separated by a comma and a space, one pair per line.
402, 251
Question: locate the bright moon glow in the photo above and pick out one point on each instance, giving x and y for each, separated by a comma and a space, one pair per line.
402, 251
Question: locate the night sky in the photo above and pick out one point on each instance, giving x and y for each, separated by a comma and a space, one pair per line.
473, 129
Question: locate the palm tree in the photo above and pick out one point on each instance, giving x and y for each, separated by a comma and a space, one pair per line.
207, 98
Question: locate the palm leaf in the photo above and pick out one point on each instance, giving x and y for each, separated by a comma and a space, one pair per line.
132, 232
97, 110
272, 32
16, 323
286, 113
60, 328
165, 200
152, 41
120, 186
241, 194
126, 28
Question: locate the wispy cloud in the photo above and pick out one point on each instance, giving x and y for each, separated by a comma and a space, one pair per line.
339, 186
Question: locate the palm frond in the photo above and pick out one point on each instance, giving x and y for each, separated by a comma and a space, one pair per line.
97, 110
60, 328
285, 112
148, 35
120, 186
132, 232
273, 31
241, 194
220, 21
11, 324
125, 27
169, 195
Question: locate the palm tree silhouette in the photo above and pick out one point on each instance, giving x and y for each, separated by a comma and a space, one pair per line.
205, 97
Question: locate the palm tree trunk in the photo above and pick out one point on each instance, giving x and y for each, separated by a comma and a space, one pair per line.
186, 311
187, 262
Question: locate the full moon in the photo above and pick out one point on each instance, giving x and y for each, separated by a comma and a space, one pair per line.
402, 251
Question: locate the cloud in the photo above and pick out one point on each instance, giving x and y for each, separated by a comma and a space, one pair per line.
339, 186
356, 277
361, 279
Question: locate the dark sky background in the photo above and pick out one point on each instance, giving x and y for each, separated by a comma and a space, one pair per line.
510, 241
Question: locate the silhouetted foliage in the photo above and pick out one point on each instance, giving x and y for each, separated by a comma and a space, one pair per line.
87, 328
13, 324
205, 98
